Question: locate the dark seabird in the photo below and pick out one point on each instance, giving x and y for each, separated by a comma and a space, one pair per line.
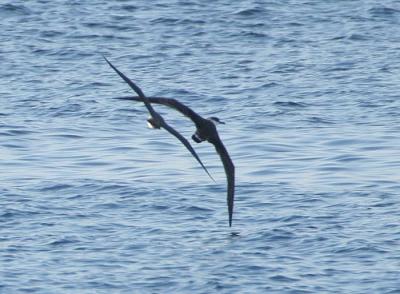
156, 121
205, 131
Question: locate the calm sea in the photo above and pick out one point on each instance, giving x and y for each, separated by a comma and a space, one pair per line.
92, 201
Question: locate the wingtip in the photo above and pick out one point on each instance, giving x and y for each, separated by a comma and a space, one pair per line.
105, 58
124, 98
211, 177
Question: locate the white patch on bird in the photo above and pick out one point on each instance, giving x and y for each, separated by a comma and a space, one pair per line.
150, 125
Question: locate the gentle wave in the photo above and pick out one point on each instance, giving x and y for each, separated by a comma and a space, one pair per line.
93, 201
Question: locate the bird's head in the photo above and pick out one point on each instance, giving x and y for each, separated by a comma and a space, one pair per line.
215, 120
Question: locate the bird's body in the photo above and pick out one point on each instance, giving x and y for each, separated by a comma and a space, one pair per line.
205, 131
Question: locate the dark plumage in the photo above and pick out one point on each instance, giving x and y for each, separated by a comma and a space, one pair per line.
156, 119
205, 131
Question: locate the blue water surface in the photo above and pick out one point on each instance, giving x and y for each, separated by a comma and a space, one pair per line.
91, 201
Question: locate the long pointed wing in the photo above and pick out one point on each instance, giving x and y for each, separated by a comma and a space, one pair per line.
134, 87
187, 145
144, 99
172, 103
230, 175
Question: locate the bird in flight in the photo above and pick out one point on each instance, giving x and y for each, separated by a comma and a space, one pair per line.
205, 131
156, 120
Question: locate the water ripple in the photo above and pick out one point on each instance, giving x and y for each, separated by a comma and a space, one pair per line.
93, 201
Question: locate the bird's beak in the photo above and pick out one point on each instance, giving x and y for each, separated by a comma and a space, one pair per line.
221, 122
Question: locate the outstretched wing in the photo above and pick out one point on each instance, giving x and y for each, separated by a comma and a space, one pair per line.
230, 174
170, 102
219, 147
144, 99
134, 88
185, 142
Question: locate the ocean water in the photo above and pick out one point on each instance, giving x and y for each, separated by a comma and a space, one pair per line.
92, 201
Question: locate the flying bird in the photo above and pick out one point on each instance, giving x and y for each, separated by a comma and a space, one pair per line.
155, 120
205, 131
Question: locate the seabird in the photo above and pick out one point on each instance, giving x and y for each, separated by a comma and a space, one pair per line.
205, 131
155, 120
